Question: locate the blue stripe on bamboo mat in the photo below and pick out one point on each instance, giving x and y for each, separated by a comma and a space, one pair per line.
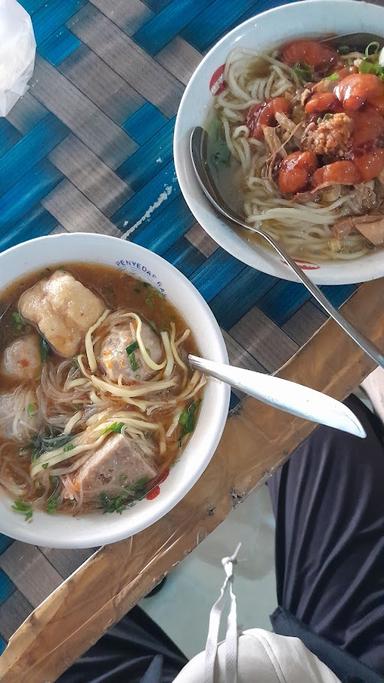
165, 25
26, 194
59, 46
166, 226
51, 15
150, 158
7, 587
33, 147
36, 223
159, 189
144, 123
243, 293
9, 135
5, 542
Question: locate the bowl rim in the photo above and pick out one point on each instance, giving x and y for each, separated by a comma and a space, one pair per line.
259, 258
35, 534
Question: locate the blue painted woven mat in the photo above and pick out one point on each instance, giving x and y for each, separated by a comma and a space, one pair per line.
89, 148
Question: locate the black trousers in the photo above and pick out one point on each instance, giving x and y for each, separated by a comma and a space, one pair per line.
328, 501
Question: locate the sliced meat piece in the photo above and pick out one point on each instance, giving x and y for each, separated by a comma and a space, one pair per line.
115, 361
22, 359
19, 416
119, 463
63, 309
370, 226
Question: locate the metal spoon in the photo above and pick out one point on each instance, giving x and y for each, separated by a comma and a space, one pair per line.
288, 396
199, 155
356, 41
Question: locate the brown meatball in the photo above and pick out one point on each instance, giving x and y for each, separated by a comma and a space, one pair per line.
113, 358
331, 137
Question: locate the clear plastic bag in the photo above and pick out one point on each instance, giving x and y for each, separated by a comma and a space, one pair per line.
17, 53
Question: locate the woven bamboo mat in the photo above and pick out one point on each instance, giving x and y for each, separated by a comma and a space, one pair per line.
89, 148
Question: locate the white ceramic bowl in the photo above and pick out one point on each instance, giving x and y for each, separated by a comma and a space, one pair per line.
264, 32
64, 531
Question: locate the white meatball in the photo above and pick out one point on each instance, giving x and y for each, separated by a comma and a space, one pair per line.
20, 418
22, 360
114, 360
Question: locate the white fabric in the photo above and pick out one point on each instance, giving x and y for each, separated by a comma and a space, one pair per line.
255, 656
214, 626
264, 657
17, 53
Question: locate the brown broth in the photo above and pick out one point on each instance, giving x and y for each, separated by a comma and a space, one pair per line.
119, 290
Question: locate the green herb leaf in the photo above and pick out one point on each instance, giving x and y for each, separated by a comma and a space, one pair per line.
31, 409
44, 349
303, 71
187, 419
24, 508
139, 488
52, 504
344, 49
367, 67
333, 77
113, 427
68, 447
132, 347
133, 362
18, 321
43, 443
114, 503
372, 49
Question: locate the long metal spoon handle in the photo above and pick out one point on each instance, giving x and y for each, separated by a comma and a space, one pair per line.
198, 136
281, 393
362, 341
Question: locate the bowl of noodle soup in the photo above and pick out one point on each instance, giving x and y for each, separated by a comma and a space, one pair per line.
286, 153
103, 426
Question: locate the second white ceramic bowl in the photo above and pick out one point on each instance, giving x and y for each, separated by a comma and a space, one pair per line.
261, 33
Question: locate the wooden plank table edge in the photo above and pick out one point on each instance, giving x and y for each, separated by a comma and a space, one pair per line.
116, 577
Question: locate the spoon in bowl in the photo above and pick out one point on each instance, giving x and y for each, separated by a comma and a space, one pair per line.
287, 396
199, 156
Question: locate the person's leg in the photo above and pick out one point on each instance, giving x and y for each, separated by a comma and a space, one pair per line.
136, 650
328, 501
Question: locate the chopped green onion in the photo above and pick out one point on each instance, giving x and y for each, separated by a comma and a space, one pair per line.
45, 465
18, 321
187, 419
52, 504
333, 77
343, 49
303, 71
115, 427
114, 503
24, 508
367, 67
372, 49
44, 349
31, 409
132, 347
68, 447
133, 362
